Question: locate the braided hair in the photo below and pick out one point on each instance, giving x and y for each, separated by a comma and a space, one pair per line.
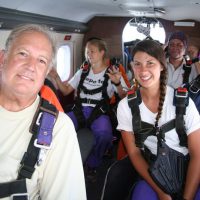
155, 50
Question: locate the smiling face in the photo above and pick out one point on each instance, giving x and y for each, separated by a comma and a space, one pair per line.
26, 64
176, 49
147, 70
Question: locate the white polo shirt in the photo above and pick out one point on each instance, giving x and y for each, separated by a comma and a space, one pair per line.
175, 76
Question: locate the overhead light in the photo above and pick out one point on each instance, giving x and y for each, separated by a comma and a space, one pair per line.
160, 10
143, 11
192, 24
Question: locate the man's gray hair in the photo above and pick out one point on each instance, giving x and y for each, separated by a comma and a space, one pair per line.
17, 31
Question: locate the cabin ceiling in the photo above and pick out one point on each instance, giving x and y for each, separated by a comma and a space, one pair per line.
72, 15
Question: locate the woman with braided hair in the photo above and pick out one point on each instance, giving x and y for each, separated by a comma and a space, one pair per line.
156, 108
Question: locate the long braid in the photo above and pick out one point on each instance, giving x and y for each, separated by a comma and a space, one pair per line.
163, 79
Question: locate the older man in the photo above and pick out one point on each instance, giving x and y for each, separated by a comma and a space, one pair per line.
34, 160
178, 71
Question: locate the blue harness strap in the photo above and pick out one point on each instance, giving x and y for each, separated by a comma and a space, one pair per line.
44, 136
41, 129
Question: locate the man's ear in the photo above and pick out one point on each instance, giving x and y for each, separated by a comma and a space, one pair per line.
2, 54
48, 70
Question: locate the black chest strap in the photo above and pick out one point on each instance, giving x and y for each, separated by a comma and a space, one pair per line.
187, 70
134, 100
41, 136
143, 129
181, 101
102, 106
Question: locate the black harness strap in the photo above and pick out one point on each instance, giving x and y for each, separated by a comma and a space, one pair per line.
187, 71
134, 99
29, 160
181, 100
102, 106
77, 109
143, 129
11, 188
17, 188
167, 127
89, 101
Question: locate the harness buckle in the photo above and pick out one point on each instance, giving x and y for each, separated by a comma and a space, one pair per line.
38, 118
132, 94
88, 101
195, 86
181, 92
42, 146
103, 111
20, 195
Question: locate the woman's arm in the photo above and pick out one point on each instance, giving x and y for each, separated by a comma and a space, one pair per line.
115, 77
140, 164
64, 88
121, 91
193, 172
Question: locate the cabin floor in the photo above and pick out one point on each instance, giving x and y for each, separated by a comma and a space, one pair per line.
94, 188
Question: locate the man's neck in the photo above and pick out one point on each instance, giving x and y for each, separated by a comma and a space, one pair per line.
176, 62
15, 104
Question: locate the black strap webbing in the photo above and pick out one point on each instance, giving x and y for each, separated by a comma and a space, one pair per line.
14, 187
29, 160
102, 106
134, 99
77, 109
89, 101
143, 129
186, 75
181, 100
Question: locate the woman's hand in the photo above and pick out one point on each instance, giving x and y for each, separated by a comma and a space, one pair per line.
164, 196
53, 74
114, 75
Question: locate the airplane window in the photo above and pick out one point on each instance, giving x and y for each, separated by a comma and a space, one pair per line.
138, 29
141, 28
64, 62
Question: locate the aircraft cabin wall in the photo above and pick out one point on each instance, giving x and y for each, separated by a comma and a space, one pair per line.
110, 29
75, 42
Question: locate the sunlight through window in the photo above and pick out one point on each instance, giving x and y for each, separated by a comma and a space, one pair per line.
131, 33
63, 62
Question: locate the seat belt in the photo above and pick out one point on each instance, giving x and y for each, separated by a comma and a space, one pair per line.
41, 129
